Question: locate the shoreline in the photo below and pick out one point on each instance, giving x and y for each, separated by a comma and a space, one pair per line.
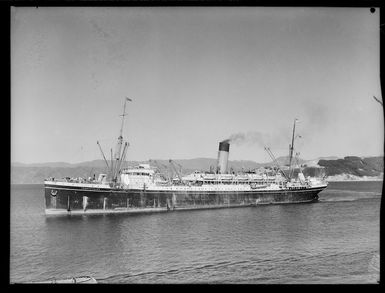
354, 180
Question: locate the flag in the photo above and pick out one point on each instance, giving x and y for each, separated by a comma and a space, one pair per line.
128, 99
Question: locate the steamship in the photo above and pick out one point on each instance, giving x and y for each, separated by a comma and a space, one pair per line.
144, 188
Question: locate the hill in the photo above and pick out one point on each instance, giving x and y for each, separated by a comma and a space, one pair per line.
371, 166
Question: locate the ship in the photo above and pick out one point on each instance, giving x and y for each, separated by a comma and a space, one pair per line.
146, 189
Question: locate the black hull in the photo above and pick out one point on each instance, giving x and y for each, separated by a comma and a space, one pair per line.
77, 200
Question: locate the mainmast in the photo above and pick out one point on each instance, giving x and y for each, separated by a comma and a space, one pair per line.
292, 147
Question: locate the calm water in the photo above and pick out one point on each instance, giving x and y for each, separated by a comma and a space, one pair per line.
331, 241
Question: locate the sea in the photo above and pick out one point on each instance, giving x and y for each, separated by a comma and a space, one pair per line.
332, 241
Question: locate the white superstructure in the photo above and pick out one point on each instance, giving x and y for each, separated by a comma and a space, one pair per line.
147, 178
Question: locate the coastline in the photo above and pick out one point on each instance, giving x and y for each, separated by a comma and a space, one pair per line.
353, 178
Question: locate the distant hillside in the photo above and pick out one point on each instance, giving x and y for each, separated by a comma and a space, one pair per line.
31, 175
92, 164
50, 164
284, 161
371, 166
36, 173
204, 164
329, 158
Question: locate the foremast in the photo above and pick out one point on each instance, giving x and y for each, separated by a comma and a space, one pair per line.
291, 149
119, 156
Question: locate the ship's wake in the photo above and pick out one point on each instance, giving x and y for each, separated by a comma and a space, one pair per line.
335, 195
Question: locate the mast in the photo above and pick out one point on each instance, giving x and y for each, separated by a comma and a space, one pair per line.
118, 150
120, 138
118, 167
292, 147
112, 167
124, 153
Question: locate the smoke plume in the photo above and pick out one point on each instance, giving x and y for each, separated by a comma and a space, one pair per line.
249, 138
256, 138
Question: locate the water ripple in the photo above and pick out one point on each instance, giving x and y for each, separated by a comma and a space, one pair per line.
330, 241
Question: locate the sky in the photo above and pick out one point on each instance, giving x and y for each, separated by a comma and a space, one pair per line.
196, 76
